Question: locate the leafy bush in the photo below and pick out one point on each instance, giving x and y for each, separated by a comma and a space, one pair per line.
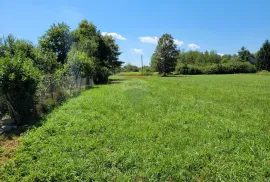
18, 84
188, 69
224, 68
50, 103
102, 75
147, 71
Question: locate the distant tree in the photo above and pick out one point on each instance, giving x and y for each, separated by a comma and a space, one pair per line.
57, 40
130, 68
154, 60
214, 57
227, 57
243, 54
166, 55
263, 57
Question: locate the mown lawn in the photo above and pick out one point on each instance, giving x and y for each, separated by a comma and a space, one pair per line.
187, 128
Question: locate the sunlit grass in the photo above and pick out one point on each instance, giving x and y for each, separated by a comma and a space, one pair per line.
187, 128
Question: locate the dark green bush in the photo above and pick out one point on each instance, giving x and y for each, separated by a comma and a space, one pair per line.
3, 107
224, 68
49, 103
18, 85
102, 75
184, 69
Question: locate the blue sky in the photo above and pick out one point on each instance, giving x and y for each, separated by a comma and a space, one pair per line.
223, 26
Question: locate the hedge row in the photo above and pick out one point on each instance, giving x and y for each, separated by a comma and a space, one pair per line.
224, 68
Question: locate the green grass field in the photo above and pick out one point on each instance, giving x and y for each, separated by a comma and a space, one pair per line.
187, 128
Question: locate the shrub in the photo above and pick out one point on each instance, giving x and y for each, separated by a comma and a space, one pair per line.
47, 105
224, 68
18, 85
188, 69
102, 75
147, 71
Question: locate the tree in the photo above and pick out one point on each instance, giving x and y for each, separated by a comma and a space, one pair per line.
109, 53
47, 63
243, 54
88, 39
130, 68
10, 46
153, 62
166, 55
57, 40
263, 57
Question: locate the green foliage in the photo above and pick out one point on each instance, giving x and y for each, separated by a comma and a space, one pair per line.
109, 53
10, 46
18, 84
243, 54
223, 68
99, 54
185, 69
102, 75
130, 68
198, 58
154, 61
263, 57
61, 57
165, 57
190, 128
57, 40
147, 71
195, 62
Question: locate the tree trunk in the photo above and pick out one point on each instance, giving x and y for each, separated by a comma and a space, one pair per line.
13, 113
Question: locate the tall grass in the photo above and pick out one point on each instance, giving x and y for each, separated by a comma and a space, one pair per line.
189, 128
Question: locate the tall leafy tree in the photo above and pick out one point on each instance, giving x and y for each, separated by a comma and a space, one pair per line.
57, 40
243, 54
263, 57
109, 53
166, 55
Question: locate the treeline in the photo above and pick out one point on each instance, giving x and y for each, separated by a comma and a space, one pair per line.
194, 62
167, 58
35, 78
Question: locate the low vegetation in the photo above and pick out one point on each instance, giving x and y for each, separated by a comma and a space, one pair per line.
187, 128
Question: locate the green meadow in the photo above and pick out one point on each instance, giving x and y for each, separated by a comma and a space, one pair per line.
185, 128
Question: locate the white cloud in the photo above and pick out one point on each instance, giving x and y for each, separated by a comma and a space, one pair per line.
137, 51
193, 46
152, 40
114, 35
178, 42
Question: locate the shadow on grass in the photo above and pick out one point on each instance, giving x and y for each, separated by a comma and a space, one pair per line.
116, 81
174, 76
